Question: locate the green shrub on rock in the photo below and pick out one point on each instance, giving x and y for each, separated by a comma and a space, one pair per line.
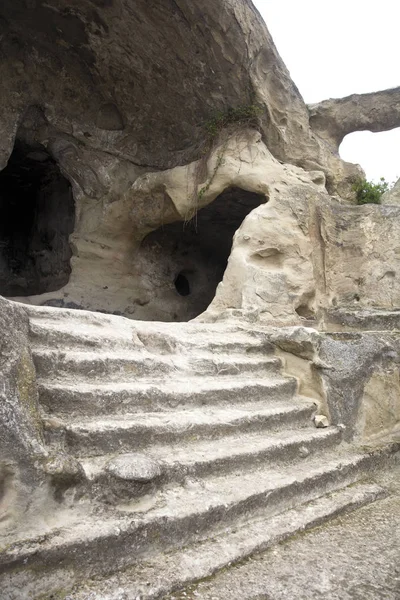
368, 192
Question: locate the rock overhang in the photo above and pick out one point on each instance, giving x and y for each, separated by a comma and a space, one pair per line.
138, 79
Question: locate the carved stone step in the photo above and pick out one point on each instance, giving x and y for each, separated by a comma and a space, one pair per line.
124, 476
82, 336
110, 433
50, 325
95, 398
178, 516
127, 366
163, 573
342, 319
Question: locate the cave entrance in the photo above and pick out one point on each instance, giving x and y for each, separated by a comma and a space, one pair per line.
37, 216
188, 260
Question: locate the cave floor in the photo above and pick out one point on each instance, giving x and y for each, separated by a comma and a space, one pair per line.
354, 557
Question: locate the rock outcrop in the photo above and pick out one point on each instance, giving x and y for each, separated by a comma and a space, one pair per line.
333, 119
145, 97
157, 162
21, 429
102, 110
392, 196
179, 449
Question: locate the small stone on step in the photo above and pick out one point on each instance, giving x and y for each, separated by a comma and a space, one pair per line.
303, 452
321, 421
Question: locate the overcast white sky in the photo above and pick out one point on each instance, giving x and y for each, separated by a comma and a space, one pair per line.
333, 49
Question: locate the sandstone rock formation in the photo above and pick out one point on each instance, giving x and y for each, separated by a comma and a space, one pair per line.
159, 436
158, 163
21, 428
120, 110
131, 207
333, 119
392, 196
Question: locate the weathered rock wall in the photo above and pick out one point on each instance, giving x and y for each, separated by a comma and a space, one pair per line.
392, 196
354, 377
146, 102
107, 106
298, 254
361, 246
304, 254
333, 119
21, 436
117, 98
127, 123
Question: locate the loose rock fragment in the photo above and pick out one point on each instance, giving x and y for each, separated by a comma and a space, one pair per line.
321, 421
304, 452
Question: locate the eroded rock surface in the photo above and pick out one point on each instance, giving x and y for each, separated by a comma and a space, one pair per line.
149, 427
392, 196
133, 94
333, 119
125, 125
159, 163
21, 429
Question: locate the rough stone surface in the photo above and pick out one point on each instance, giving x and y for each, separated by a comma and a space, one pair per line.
321, 421
392, 196
124, 96
132, 142
296, 257
131, 94
21, 430
362, 387
353, 377
149, 427
321, 255
134, 467
158, 163
360, 255
333, 119
117, 108
272, 248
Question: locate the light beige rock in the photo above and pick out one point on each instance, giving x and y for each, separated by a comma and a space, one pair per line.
122, 443
361, 254
134, 467
333, 119
321, 421
148, 467
112, 271
123, 101
126, 184
270, 273
380, 407
392, 196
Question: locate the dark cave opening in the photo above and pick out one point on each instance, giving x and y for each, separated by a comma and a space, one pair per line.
189, 259
182, 284
37, 215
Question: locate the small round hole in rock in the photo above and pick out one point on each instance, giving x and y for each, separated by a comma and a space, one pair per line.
182, 285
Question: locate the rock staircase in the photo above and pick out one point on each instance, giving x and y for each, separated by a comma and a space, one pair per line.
181, 448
